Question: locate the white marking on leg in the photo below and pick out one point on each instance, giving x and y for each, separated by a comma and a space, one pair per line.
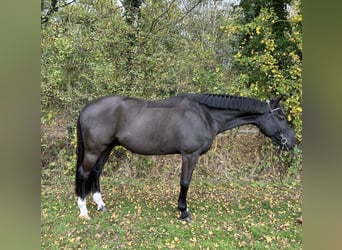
83, 208
97, 198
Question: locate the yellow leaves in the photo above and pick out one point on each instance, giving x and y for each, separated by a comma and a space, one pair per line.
294, 56
176, 240
270, 44
184, 222
238, 55
231, 28
172, 245
268, 239
297, 18
193, 240
257, 30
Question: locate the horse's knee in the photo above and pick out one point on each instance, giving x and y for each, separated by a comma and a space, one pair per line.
185, 184
83, 175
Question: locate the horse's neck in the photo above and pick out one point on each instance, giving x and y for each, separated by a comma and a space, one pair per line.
228, 119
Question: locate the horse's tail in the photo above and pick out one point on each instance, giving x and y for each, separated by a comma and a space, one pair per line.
79, 179
80, 145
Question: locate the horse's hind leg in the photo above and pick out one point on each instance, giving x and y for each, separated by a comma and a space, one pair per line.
84, 179
97, 197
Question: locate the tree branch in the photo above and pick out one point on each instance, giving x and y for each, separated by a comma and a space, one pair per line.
185, 14
54, 8
155, 21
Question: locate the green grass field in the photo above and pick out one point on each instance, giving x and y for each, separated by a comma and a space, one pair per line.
142, 214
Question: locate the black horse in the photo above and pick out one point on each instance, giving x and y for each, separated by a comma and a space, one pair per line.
185, 124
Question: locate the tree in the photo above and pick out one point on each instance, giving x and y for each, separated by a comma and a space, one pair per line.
268, 58
252, 9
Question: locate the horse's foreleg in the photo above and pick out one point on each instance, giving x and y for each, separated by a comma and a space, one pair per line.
188, 165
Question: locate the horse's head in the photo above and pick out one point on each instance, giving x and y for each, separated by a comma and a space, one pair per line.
275, 125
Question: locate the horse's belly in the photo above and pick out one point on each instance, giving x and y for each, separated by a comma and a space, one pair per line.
148, 149
146, 144
166, 131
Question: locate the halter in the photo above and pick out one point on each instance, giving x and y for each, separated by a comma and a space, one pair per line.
283, 139
269, 106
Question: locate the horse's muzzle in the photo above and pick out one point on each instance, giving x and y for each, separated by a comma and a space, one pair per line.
284, 142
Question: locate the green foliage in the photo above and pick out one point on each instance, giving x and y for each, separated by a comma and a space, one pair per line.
77, 57
266, 69
88, 50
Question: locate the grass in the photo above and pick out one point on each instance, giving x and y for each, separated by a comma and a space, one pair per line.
143, 215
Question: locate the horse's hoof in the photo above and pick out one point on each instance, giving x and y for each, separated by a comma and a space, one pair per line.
187, 219
102, 209
84, 216
185, 216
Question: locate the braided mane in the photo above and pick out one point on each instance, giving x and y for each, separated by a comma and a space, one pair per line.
230, 102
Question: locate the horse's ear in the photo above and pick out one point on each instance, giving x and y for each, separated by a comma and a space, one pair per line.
275, 101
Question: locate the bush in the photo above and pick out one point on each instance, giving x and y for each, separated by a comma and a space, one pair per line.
266, 69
